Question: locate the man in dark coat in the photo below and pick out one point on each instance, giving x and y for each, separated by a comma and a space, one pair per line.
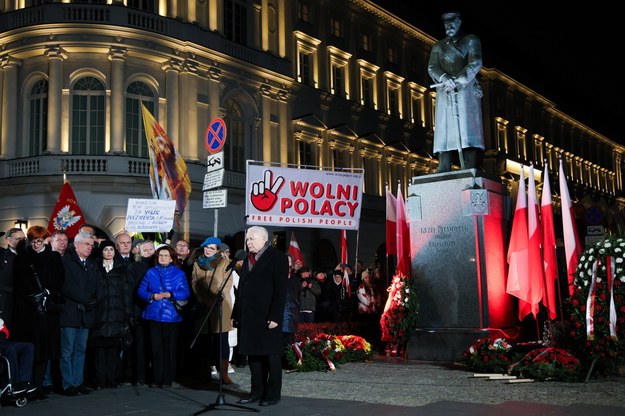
79, 290
7, 256
258, 313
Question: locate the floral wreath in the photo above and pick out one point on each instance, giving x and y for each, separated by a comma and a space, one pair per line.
325, 352
400, 313
597, 306
488, 355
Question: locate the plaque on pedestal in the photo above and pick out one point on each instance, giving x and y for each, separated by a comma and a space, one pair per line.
457, 232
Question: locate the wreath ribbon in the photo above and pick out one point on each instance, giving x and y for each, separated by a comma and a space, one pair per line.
590, 302
298, 352
612, 322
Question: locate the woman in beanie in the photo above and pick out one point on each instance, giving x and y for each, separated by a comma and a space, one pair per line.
112, 313
208, 278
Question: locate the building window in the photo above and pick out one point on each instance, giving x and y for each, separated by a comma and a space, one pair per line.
339, 75
145, 5
234, 149
306, 58
417, 110
306, 156
521, 144
38, 112
394, 94
336, 27
367, 91
88, 117
365, 42
303, 11
338, 78
393, 102
304, 71
502, 135
337, 157
136, 141
235, 21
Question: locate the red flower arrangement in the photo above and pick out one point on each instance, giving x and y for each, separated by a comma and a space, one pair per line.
548, 364
488, 356
596, 310
400, 313
325, 352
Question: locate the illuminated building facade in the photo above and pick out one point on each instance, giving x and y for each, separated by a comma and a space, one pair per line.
337, 83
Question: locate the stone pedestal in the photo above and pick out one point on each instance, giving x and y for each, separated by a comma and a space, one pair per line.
457, 232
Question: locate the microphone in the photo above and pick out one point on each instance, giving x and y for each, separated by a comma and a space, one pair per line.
239, 255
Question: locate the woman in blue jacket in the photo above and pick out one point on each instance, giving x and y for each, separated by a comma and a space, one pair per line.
161, 286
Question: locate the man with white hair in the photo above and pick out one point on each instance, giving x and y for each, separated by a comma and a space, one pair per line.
258, 314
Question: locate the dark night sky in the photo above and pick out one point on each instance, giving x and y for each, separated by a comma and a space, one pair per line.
568, 55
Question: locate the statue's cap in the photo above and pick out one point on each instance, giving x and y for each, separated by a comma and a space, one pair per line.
450, 16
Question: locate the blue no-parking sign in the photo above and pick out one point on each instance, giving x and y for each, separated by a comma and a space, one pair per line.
215, 135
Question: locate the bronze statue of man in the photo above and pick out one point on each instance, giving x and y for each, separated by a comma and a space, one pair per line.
454, 63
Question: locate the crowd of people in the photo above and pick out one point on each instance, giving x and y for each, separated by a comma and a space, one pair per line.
129, 310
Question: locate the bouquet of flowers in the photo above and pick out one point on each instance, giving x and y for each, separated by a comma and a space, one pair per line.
325, 352
489, 356
400, 313
548, 364
596, 310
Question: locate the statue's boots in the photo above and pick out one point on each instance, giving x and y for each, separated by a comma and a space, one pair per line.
470, 158
444, 162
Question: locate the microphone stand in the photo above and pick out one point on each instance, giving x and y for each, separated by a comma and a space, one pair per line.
221, 399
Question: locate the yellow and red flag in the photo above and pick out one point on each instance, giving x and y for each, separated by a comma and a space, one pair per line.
169, 178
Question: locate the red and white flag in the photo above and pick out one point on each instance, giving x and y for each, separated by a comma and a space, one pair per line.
348, 287
549, 247
534, 289
518, 249
344, 256
294, 250
572, 247
66, 215
403, 236
391, 223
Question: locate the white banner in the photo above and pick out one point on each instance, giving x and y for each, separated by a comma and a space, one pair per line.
290, 197
150, 215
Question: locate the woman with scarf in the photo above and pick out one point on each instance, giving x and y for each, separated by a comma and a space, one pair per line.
211, 282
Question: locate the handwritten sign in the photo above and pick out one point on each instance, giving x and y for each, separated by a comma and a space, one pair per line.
150, 215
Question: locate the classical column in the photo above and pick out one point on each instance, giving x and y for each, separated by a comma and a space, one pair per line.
172, 70
188, 132
9, 107
56, 55
117, 56
214, 89
283, 124
265, 93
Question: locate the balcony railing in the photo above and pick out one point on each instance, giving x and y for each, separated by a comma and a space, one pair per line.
109, 165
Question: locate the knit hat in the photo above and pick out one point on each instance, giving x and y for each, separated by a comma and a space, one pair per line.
211, 240
106, 243
224, 247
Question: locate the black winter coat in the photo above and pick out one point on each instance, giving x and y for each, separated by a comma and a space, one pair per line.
79, 290
134, 275
42, 330
113, 302
260, 298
